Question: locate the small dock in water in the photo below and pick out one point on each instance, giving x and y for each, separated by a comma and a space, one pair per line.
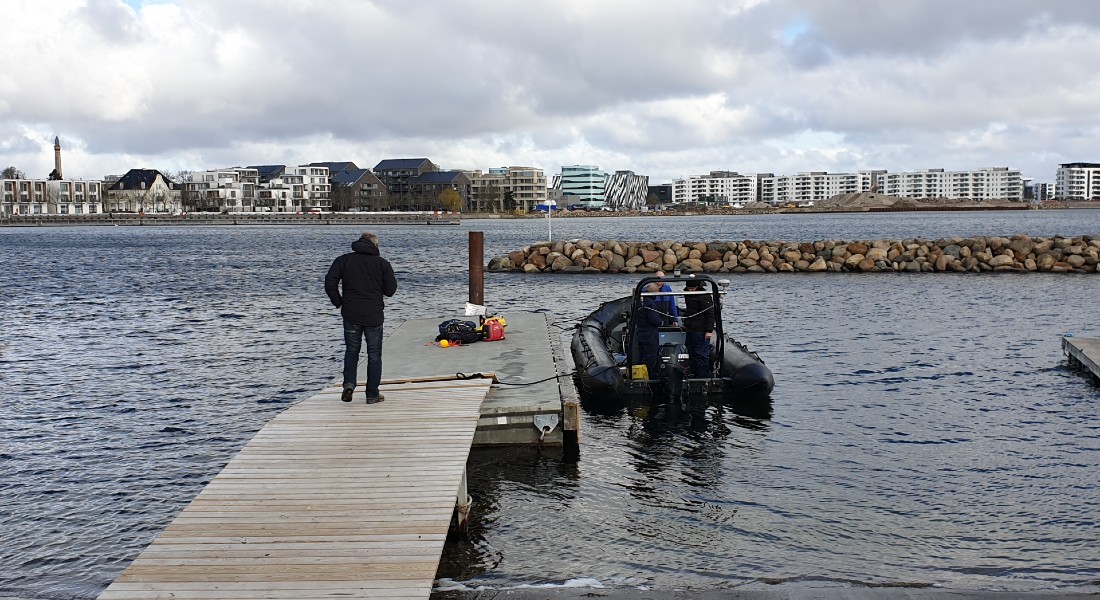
535, 390
329, 499
1083, 353
354, 500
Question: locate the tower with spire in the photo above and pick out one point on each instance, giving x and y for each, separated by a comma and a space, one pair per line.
56, 174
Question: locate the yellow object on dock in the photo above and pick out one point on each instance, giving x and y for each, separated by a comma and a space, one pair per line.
639, 372
329, 499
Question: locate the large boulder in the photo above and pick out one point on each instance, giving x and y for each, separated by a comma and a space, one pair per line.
1021, 245
877, 254
560, 264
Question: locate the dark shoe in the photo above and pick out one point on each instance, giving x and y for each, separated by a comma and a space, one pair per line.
375, 399
346, 396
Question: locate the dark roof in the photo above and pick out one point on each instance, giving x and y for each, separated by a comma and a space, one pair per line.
336, 167
439, 177
348, 177
396, 164
1080, 165
134, 178
268, 172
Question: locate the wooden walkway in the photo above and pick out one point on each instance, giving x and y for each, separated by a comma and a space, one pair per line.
1083, 353
328, 500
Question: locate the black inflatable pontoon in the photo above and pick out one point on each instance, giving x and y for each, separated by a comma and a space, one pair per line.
606, 356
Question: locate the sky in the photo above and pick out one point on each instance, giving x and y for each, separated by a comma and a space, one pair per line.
664, 88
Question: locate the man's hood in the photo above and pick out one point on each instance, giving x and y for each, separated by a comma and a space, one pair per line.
364, 246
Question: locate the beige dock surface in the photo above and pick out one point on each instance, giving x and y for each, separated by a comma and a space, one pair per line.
328, 500
1085, 352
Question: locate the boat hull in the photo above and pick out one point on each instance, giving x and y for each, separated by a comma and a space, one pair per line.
602, 376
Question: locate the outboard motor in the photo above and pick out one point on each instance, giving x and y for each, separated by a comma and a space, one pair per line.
674, 369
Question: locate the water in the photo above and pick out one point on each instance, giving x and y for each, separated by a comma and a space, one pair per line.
924, 428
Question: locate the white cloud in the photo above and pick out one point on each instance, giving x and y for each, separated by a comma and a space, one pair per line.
666, 89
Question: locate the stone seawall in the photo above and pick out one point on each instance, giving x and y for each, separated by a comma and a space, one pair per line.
1017, 254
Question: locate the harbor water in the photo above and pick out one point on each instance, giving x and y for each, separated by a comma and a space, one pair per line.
924, 428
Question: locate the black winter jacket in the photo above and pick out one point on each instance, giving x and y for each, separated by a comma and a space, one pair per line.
366, 277
699, 314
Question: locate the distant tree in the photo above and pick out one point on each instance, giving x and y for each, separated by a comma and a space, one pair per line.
509, 200
652, 199
12, 173
450, 200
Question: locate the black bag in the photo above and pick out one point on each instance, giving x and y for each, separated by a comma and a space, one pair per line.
454, 330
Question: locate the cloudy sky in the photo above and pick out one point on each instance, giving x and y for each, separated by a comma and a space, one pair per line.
664, 88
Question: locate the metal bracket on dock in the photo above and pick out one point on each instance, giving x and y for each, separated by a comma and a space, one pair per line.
462, 504
545, 423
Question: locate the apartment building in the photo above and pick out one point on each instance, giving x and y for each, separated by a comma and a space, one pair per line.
995, 183
292, 189
730, 187
359, 189
526, 186
232, 190
50, 197
727, 188
424, 190
1077, 181
395, 174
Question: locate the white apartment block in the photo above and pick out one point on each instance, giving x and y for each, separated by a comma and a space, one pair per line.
997, 183
50, 197
723, 187
729, 187
232, 189
813, 186
296, 189
626, 190
1077, 181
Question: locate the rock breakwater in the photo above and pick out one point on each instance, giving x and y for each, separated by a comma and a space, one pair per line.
1017, 254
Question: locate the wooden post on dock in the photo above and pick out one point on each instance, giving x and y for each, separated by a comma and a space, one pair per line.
477, 268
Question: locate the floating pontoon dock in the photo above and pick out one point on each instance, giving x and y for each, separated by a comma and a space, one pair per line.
327, 500
354, 500
517, 411
1083, 353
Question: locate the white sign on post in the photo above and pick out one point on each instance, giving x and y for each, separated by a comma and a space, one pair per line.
474, 309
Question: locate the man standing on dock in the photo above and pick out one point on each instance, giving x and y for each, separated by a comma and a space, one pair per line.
366, 278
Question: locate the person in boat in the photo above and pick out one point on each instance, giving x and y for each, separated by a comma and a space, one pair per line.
698, 325
672, 312
646, 331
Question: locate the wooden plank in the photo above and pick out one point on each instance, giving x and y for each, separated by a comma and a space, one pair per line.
329, 499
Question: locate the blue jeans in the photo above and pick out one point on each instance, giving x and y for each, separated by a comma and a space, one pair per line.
698, 347
353, 342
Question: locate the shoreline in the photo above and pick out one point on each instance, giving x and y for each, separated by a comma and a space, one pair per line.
800, 592
444, 218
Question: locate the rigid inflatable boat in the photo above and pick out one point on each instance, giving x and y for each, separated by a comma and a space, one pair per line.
610, 366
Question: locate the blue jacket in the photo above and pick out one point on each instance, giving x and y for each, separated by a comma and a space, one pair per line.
668, 304
649, 319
